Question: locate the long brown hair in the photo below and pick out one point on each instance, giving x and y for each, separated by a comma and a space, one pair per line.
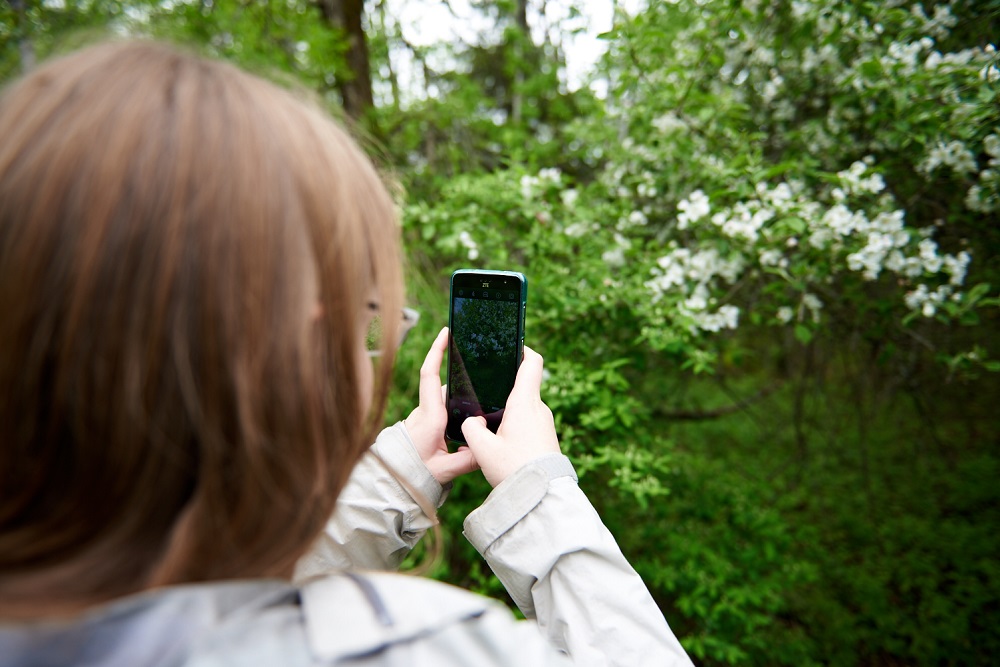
185, 252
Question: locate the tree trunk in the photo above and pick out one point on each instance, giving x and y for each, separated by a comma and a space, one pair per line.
522, 16
355, 90
393, 81
517, 98
24, 44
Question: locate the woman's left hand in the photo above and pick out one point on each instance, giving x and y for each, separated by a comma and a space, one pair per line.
426, 424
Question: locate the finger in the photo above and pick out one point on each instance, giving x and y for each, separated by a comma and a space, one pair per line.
449, 466
463, 448
475, 432
529, 375
444, 393
430, 370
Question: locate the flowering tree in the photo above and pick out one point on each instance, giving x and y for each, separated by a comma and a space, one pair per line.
813, 148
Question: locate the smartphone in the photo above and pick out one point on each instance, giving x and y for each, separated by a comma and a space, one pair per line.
485, 346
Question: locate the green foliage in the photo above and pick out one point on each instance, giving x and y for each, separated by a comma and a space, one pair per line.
769, 192
269, 35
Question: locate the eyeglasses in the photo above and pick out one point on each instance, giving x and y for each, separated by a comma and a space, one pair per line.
373, 339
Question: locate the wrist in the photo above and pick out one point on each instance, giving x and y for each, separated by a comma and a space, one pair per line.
515, 497
398, 453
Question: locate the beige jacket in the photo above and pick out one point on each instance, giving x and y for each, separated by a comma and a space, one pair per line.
538, 533
543, 539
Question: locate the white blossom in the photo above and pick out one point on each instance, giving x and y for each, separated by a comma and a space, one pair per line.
692, 209
698, 300
615, 256
528, 184
552, 175
905, 55
926, 301
471, 246
743, 221
940, 25
683, 270
727, 317
957, 266
772, 88
991, 144
770, 257
954, 155
928, 254
844, 222
855, 181
646, 190
637, 218
779, 197
578, 229
812, 302
973, 199
668, 123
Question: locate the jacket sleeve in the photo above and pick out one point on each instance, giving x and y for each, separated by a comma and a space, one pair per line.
547, 545
377, 520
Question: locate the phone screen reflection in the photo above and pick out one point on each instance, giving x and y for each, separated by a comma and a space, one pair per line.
483, 355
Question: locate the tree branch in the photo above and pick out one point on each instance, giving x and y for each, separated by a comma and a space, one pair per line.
715, 413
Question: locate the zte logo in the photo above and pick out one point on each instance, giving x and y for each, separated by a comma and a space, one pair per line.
486, 284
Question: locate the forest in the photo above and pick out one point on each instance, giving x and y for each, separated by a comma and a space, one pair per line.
763, 253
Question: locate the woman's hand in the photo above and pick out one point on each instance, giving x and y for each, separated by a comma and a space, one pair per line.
426, 424
526, 433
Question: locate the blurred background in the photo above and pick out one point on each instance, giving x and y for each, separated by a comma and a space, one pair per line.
761, 239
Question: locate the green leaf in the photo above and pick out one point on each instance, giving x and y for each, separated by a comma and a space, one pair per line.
977, 292
794, 224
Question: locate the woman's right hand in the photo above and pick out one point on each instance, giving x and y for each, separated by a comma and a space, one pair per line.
527, 431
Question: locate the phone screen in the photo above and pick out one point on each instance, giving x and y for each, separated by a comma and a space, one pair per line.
485, 350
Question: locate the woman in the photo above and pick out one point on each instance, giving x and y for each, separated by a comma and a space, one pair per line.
190, 259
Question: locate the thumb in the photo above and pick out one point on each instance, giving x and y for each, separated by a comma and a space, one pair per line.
528, 382
475, 432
